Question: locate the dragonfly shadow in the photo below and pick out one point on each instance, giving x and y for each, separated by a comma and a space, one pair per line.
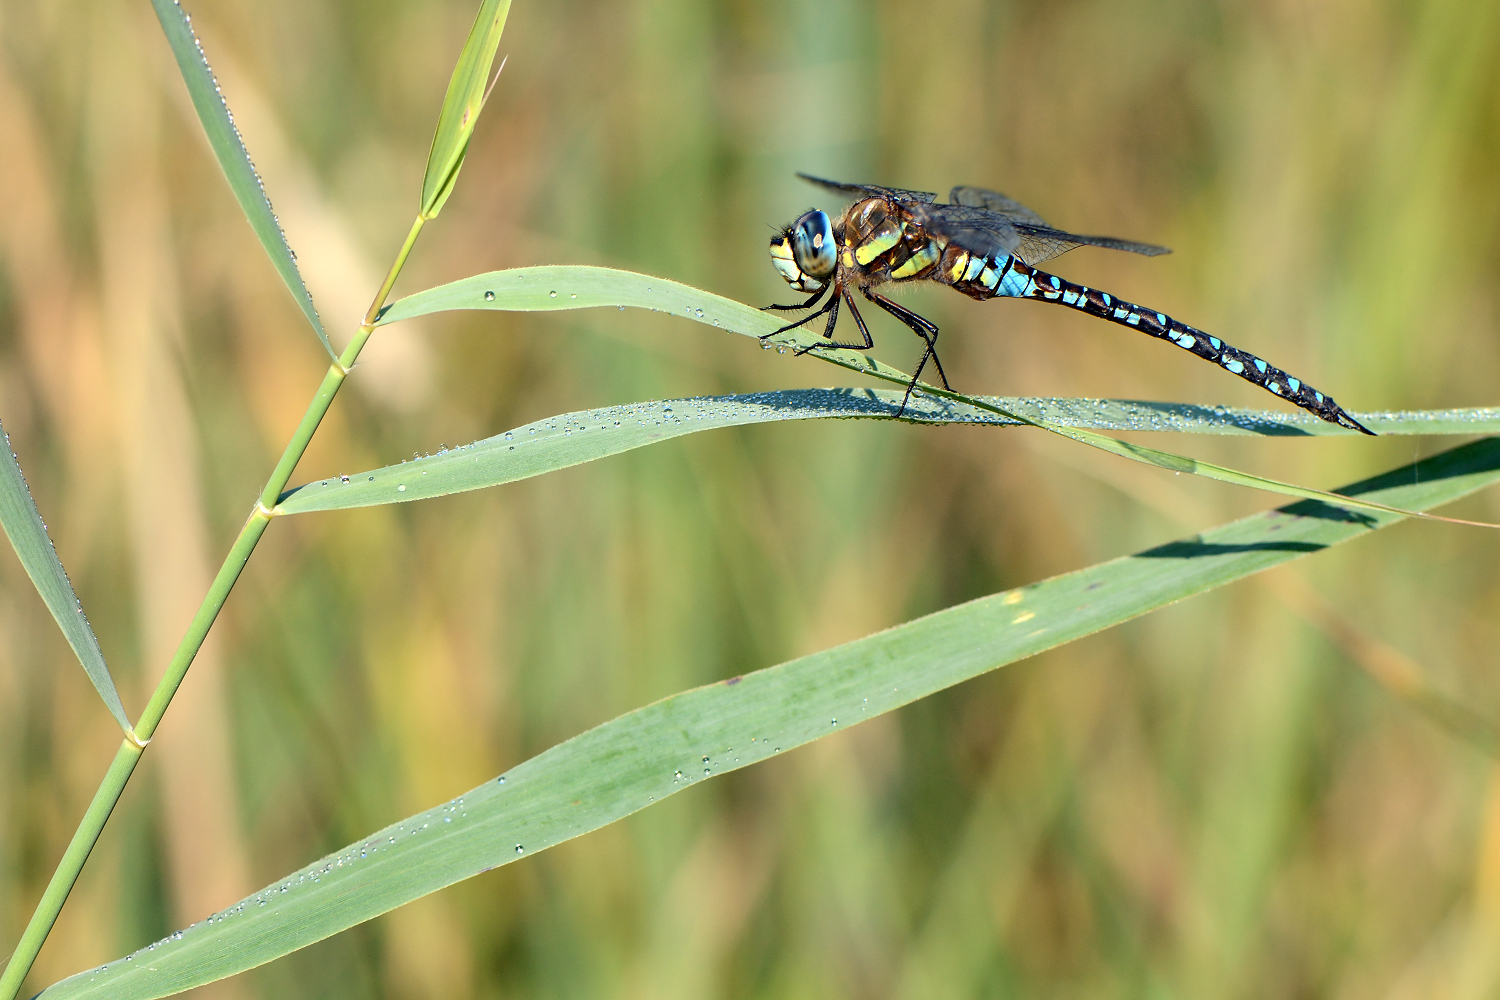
1119, 415
850, 402
1195, 549
853, 402
1256, 422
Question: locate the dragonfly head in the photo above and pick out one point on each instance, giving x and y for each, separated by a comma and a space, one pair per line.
804, 252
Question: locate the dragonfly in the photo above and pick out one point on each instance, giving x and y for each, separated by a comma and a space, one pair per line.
985, 245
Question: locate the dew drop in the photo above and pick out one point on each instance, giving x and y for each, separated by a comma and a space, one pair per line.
552, 295
489, 296
520, 849
401, 488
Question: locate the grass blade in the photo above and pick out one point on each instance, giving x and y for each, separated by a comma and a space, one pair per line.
28, 536
229, 149
579, 287
574, 438
461, 106
643, 756
566, 286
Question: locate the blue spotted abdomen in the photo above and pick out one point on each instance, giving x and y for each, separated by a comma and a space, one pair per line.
1019, 280
976, 276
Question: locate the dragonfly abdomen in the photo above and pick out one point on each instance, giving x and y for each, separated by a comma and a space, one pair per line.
1022, 281
975, 275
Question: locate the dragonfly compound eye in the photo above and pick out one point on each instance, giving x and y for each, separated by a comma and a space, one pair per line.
813, 246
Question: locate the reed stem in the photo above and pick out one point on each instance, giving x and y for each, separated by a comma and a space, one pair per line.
115, 779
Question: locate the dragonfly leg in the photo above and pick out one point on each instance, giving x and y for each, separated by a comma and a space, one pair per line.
832, 309
922, 327
864, 332
859, 321
831, 306
801, 305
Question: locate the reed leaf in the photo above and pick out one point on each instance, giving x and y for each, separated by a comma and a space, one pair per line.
28, 536
229, 149
461, 106
574, 438
557, 287
644, 756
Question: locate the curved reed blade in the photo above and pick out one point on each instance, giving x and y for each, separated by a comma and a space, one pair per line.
28, 536
229, 149
461, 106
578, 287
639, 758
574, 438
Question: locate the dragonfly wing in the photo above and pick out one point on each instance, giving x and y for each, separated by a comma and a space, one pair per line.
870, 190
1040, 243
994, 201
977, 230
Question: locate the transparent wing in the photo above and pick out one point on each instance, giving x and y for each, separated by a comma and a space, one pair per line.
1036, 241
871, 190
994, 201
1040, 243
976, 230
985, 222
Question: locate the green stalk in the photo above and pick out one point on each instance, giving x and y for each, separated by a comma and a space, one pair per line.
113, 785
72, 861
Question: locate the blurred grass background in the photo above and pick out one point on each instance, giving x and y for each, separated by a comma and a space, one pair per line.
1213, 801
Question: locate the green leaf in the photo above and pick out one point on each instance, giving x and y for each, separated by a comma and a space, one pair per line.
566, 286
28, 536
577, 287
646, 755
574, 438
229, 148
461, 106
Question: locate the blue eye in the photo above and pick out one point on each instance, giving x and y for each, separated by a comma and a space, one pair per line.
812, 244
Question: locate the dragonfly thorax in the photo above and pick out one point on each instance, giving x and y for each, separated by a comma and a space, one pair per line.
805, 253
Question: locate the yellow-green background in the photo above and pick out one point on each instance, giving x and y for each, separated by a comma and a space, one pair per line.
1219, 800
